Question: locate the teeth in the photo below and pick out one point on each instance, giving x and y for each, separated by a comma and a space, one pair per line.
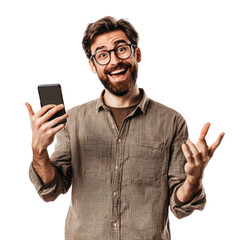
118, 71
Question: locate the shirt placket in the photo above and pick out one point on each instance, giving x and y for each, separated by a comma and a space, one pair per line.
116, 196
117, 170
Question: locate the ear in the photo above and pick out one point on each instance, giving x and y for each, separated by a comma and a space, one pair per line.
92, 66
139, 55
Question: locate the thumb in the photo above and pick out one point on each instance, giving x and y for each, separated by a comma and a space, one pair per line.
30, 110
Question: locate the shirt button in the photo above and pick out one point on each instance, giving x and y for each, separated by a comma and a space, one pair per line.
115, 194
115, 224
119, 140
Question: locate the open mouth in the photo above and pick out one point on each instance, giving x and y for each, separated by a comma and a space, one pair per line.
118, 73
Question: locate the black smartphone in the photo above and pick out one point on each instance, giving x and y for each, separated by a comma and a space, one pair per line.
52, 94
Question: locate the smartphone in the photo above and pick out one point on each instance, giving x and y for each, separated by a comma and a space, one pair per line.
52, 94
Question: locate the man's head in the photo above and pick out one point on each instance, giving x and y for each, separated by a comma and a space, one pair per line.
112, 49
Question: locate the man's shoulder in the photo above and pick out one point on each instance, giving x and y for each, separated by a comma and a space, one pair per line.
165, 116
88, 106
161, 108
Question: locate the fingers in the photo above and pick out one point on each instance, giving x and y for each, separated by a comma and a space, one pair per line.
202, 143
204, 131
54, 130
190, 152
202, 147
55, 121
197, 156
40, 119
49, 111
187, 153
214, 146
45, 109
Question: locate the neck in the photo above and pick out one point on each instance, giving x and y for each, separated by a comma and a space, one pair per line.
127, 100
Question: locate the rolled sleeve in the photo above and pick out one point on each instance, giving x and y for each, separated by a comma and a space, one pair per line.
37, 181
44, 190
181, 210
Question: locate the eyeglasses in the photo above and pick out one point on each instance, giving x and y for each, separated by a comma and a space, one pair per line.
103, 57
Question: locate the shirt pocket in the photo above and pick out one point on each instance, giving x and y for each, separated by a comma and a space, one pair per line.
146, 163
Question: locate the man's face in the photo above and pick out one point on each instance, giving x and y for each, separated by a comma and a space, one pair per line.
118, 76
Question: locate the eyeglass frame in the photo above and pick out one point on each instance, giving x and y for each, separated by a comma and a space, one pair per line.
113, 50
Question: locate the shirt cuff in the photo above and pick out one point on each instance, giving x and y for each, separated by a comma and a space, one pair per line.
181, 209
37, 181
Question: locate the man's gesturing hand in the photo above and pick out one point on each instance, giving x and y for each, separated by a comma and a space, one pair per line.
198, 155
42, 129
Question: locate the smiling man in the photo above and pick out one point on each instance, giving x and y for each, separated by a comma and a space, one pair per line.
127, 157
118, 77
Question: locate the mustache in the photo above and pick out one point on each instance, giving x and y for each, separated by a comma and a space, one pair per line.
118, 66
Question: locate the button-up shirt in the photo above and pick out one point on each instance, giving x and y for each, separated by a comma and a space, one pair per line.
123, 181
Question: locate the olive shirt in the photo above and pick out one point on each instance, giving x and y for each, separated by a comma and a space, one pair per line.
123, 181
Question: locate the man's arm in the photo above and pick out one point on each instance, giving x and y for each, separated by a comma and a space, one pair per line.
42, 165
43, 133
197, 157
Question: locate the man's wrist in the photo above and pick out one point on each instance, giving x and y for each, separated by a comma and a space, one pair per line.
42, 165
40, 156
39, 151
189, 189
194, 182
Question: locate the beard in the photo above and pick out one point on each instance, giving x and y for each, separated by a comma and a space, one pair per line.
120, 88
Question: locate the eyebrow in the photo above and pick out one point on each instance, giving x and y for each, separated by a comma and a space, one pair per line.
115, 44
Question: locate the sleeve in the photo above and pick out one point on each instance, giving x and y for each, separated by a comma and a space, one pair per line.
177, 175
61, 161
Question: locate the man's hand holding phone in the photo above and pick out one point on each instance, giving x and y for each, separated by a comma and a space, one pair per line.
44, 130
43, 133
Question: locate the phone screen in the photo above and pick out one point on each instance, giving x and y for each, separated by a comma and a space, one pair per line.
51, 94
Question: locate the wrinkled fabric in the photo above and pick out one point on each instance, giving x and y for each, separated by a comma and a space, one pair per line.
123, 181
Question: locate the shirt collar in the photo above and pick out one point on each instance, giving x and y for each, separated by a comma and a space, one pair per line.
142, 105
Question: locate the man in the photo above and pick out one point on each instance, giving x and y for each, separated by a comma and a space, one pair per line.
127, 157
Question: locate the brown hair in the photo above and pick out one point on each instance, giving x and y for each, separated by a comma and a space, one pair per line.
105, 25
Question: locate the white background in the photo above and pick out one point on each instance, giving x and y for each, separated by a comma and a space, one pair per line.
190, 62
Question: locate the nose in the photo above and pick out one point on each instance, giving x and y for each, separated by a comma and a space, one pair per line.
113, 58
